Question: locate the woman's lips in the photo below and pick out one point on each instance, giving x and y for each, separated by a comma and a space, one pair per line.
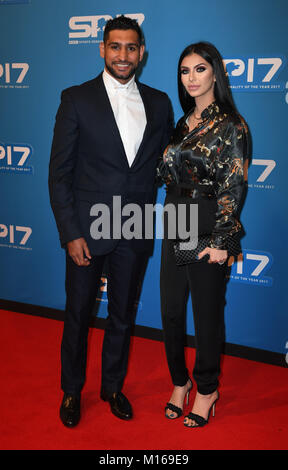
193, 87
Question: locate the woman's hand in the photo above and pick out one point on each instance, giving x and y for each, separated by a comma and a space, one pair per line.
215, 255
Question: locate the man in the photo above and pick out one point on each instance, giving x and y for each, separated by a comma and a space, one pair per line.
108, 135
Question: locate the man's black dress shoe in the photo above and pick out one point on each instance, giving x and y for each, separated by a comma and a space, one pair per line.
119, 404
70, 410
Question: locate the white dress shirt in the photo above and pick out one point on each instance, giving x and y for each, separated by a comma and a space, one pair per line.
129, 113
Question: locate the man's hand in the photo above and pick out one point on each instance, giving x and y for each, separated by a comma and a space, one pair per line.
79, 251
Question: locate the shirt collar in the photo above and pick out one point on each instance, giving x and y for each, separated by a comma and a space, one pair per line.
210, 111
112, 84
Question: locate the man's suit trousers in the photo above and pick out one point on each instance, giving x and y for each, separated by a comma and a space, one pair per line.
124, 273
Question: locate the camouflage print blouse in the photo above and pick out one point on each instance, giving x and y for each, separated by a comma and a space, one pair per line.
213, 159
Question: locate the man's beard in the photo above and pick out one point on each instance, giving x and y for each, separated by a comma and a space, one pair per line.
121, 76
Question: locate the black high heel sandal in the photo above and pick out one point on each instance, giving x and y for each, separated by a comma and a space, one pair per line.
199, 420
176, 409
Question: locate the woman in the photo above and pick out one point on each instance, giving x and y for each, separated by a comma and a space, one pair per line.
203, 165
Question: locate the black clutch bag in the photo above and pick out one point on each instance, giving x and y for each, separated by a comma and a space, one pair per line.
186, 252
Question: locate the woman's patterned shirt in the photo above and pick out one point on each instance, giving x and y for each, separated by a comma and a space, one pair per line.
213, 158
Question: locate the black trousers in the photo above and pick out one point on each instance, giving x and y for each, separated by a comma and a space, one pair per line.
207, 284
125, 271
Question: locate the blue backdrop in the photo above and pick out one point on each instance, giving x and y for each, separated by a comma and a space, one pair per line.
48, 46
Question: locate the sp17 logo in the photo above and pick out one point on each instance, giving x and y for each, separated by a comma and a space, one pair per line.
102, 291
251, 268
13, 75
89, 29
15, 236
12, 2
255, 73
261, 174
13, 159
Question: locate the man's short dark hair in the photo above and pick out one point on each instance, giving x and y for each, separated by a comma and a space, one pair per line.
124, 23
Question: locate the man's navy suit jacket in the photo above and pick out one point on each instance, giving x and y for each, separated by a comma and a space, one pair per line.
88, 163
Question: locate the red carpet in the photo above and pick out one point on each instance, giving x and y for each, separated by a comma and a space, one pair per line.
252, 412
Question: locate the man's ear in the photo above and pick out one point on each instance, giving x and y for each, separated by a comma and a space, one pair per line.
102, 49
142, 50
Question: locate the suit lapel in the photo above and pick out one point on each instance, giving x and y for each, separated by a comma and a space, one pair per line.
148, 110
103, 104
107, 115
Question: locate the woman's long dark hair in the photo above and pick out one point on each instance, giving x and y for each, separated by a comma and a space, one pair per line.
223, 95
